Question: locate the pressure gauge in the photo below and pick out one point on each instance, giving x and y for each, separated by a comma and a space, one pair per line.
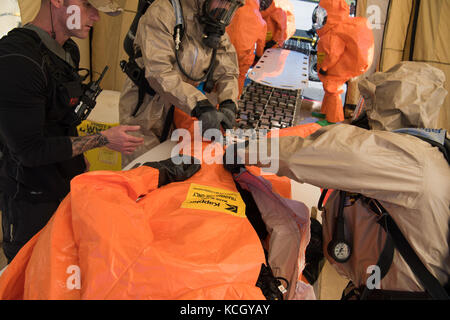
339, 250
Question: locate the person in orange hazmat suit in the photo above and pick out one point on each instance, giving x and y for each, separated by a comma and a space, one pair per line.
246, 30
345, 50
280, 19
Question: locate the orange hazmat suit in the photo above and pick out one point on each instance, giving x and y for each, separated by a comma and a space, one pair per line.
345, 50
118, 236
247, 29
280, 20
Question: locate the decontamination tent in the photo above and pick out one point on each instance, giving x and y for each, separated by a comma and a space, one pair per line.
404, 30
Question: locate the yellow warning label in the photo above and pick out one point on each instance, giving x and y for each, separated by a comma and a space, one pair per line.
320, 57
100, 158
214, 199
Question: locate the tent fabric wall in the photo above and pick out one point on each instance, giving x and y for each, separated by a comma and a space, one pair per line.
428, 40
395, 33
432, 45
28, 9
405, 36
375, 11
107, 45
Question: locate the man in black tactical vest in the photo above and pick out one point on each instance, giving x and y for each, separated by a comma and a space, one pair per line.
41, 92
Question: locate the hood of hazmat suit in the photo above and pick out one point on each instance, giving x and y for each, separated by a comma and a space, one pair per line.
337, 12
408, 95
407, 175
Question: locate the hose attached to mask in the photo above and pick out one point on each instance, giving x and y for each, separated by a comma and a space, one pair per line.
178, 35
128, 44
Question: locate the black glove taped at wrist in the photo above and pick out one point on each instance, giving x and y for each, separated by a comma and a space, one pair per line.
212, 118
228, 108
171, 172
205, 112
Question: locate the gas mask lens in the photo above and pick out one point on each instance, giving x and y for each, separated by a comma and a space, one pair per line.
222, 11
319, 18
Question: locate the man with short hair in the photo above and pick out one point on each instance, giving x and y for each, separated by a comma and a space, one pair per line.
40, 90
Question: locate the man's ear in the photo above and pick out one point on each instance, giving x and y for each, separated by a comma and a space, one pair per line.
57, 3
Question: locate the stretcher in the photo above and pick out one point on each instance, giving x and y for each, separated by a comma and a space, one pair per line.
281, 68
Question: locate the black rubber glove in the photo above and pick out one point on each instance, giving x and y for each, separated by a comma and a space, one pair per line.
270, 44
205, 112
228, 108
171, 172
210, 117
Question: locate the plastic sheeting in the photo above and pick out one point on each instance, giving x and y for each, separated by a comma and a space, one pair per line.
288, 223
117, 236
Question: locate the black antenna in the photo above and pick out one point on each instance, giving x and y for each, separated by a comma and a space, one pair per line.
51, 19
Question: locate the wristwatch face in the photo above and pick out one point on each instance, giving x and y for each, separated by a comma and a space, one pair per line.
341, 251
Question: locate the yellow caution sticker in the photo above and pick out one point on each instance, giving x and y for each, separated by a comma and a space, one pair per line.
214, 199
100, 158
320, 57
88, 127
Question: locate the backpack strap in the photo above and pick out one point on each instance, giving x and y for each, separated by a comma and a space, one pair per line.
430, 283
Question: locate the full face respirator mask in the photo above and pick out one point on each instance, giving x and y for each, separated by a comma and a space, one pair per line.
216, 16
319, 18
